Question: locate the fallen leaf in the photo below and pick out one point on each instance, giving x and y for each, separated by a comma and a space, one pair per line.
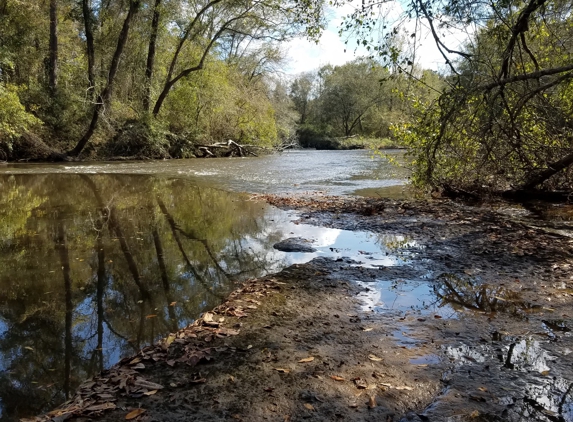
140, 382
438, 316
474, 414
374, 358
98, 407
151, 316
545, 373
372, 402
306, 360
309, 406
367, 329
282, 370
173, 304
150, 393
139, 366
134, 414
404, 388
482, 389
336, 378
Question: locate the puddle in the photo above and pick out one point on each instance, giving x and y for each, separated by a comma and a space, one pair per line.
525, 375
467, 293
399, 296
365, 249
430, 359
403, 340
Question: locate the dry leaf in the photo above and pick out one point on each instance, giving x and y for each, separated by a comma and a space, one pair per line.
336, 378
150, 393
134, 414
282, 370
372, 402
482, 389
151, 316
306, 360
545, 373
475, 414
309, 406
367, 329
404, 388
374, 358
140, 382
98, 407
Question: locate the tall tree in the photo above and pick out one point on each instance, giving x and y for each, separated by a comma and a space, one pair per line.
151, 51
105, 96
53, 56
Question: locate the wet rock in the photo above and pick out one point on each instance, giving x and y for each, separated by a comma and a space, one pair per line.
294, 244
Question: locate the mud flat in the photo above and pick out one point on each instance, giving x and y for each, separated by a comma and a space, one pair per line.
467, 316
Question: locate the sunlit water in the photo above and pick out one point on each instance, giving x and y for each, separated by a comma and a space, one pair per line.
334, 172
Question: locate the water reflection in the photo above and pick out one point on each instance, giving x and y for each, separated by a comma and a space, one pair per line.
469, 293
94, 267
535, 394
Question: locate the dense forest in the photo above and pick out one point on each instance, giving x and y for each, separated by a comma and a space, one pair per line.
168, 78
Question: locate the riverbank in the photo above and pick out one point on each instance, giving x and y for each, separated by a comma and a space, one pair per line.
491, 339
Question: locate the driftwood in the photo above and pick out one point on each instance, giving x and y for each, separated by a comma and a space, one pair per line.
233, 149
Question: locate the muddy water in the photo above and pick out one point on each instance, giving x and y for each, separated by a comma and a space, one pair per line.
98, 260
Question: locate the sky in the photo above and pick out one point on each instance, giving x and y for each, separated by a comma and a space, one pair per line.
304, 55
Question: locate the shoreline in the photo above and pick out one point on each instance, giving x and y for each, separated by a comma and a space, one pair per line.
509, 284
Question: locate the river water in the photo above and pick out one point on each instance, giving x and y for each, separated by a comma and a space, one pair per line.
99, 259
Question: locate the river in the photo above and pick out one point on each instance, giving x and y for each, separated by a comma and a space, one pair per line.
100, 259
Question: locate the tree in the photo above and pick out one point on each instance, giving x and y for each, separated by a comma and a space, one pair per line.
350, 92
505, 120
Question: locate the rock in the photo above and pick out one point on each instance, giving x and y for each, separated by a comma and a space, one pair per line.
294, 244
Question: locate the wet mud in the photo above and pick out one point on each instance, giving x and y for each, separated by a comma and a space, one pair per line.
469, 319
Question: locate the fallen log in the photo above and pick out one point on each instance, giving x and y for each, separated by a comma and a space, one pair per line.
232, 147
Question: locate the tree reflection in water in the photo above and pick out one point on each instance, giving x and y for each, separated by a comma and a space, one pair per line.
467, 293
92, 268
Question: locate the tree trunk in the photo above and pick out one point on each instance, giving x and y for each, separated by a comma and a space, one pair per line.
151, 55
105, 96
53, 59
538, 178
90, 49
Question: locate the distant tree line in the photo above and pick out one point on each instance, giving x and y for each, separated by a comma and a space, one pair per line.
360, 98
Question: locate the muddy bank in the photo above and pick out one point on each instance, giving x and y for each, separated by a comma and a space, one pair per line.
472, 324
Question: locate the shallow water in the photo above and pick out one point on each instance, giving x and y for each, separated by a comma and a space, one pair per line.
333, 172
96, 263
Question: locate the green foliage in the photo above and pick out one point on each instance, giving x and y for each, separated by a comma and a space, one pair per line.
208, 81
14, 119
144, 138
505, 118
361, 98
